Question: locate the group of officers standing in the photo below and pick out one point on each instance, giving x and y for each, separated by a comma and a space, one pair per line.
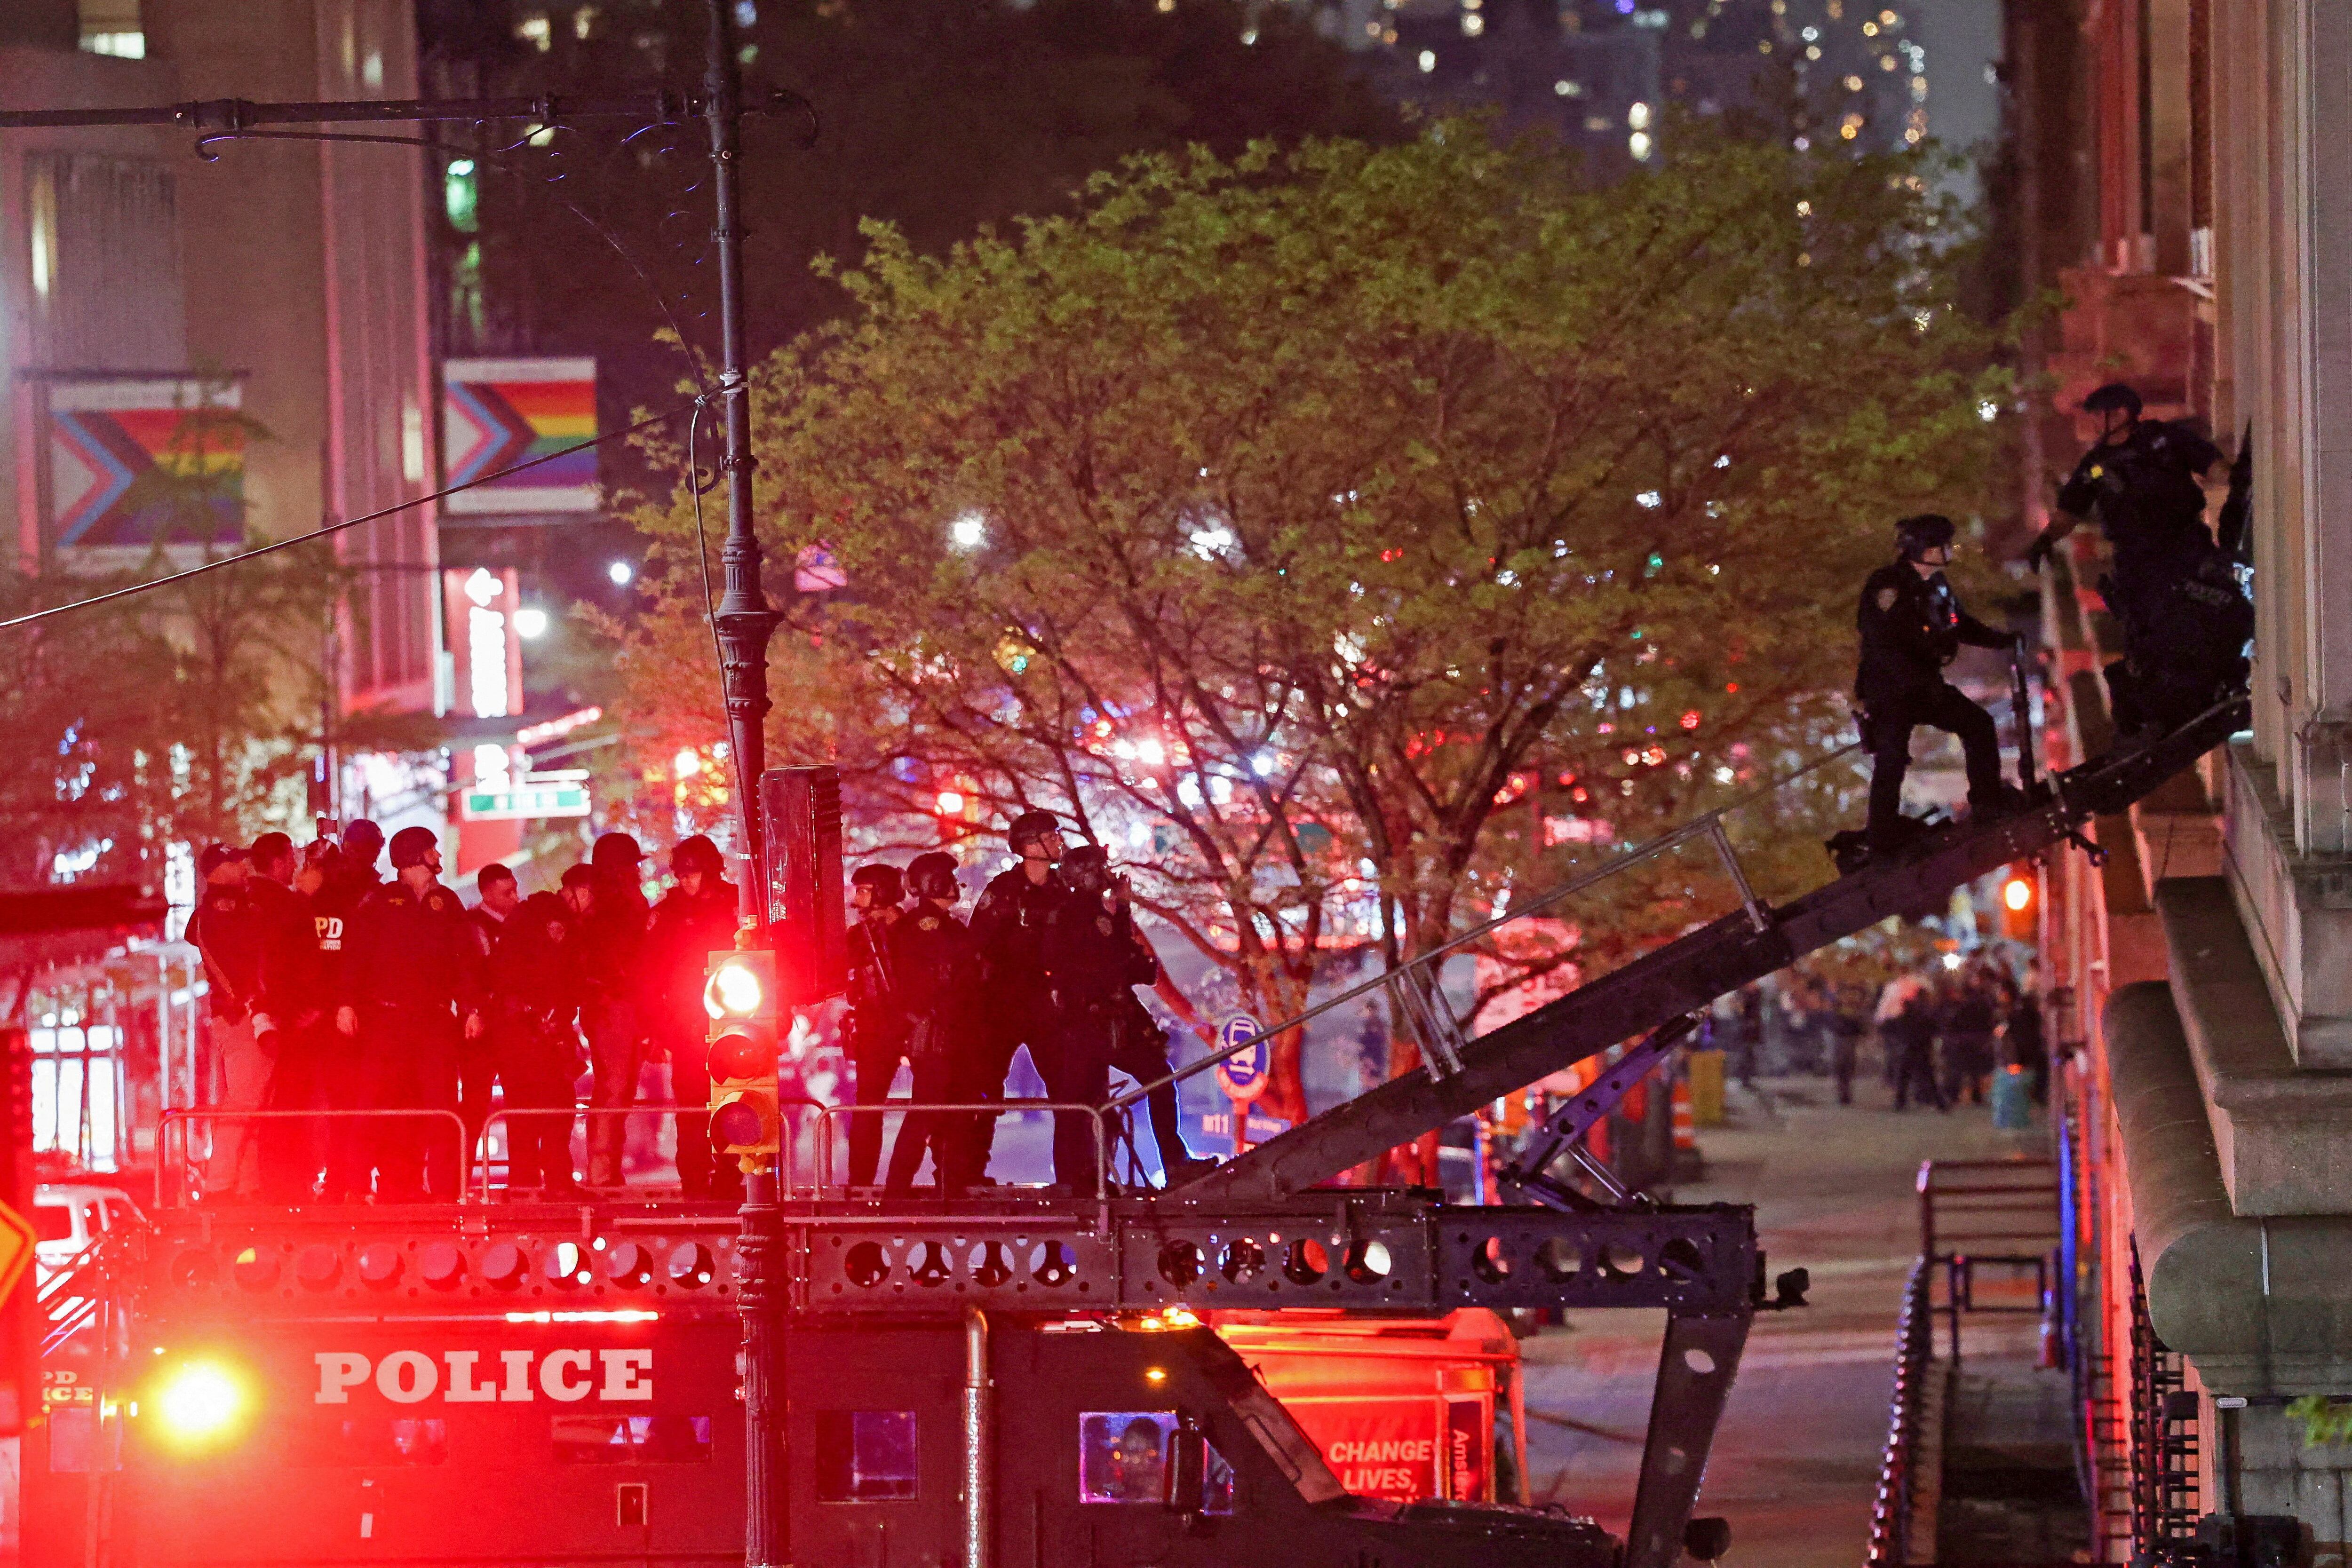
1050, 960
333, 988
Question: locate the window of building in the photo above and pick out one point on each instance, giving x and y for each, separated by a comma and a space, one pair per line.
113, 27
866, 1456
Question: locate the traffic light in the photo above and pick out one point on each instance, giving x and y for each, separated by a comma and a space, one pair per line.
2019, 912
741, 997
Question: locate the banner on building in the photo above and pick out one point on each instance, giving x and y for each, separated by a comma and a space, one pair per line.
496, 413
133, 464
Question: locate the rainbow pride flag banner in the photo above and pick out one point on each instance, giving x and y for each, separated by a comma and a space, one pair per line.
496, 413
133, 463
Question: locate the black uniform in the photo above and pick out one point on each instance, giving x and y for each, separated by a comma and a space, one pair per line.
681, 933
534, 988
1911, 1051
1911, 626
876, 1029
1008, 925
478, 1058
1094, 959
936, 965
2185, 619
615, 1006
413, 977
295, 1016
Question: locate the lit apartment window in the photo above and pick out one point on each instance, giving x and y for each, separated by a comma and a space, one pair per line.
113, 27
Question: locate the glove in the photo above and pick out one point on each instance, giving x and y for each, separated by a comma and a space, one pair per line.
2038, 552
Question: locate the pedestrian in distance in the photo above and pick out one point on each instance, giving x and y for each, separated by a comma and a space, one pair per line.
230, 933
697, 917
875, 1028
615, 1002
936, 966
1911, 626
1968, 1025
1849, 1021
414, 978
1911, 1040
1008, 925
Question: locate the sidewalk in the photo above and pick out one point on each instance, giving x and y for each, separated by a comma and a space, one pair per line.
1796, 1463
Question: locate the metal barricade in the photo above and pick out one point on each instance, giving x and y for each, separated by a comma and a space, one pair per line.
991, 1107
478, 1170
182, 1116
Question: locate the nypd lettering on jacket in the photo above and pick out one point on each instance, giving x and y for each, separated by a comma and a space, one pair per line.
463, 1377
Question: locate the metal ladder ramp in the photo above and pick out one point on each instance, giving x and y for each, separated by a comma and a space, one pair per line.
1689, 972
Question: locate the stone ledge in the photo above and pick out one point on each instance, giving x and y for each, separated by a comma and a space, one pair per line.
2282, 1134
2257, 1305
2303, 943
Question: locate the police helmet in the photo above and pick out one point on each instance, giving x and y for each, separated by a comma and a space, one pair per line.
1915, 536
1027, 828
1088, 869
696, 854
363, 841
888, 889
411, 845
933, 876
2112, 396
615, 852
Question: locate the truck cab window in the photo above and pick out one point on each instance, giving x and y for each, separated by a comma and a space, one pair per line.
1123, 1458
866, 1456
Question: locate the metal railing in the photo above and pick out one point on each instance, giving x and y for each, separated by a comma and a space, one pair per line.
1898, 1477
483, 1165
1413, 987
2000, 1214
71, 1295
183, 1116
1098, 1113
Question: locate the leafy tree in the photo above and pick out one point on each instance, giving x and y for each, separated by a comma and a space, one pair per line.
1285, 518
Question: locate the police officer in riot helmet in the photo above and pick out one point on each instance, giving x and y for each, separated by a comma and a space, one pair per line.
1911, 626
1094, 959
1007, 926
876, 1025
2185, 619
1137, 1044
935, 966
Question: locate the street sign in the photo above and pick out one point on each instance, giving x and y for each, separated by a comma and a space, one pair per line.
1243, 1074
16, 1241
1219, 1125
536, 796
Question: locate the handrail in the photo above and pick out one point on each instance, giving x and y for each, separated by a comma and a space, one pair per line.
1890, 1513
64, 1318
184, 1114
996, 1107
479, 1165
1708, 826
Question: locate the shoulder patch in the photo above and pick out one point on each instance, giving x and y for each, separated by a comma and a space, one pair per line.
1102, 924
1887, 596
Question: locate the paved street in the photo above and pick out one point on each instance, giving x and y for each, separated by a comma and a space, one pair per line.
1797, 1460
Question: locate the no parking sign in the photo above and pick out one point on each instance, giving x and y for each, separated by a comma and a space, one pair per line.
1243, 1074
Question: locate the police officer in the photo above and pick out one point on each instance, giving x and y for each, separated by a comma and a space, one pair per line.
230, 933
292, 1018
876, 1025
534, 1005
1007, 926
1090, 942
2185, 620
1911, 627
936, 966
696, 918
413, 981
615, 1004
478, 1058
